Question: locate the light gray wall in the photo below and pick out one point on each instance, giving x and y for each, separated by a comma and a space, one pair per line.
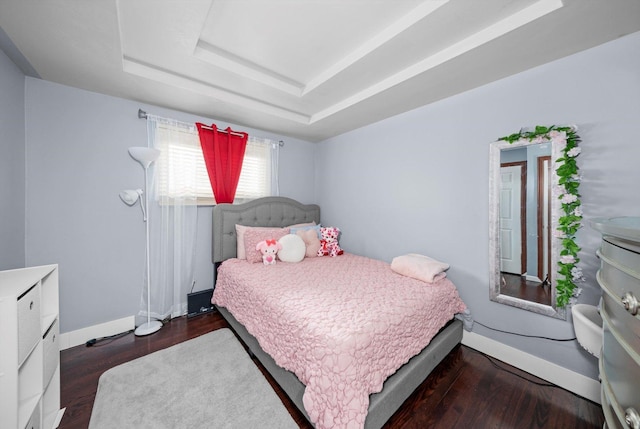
418, 182
77, 163
12, 165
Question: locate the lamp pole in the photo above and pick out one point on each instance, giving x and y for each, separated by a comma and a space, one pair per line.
145, 156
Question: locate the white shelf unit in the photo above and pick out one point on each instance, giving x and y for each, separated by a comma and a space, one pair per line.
29, 340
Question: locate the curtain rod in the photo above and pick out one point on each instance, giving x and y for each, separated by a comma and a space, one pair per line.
143, 115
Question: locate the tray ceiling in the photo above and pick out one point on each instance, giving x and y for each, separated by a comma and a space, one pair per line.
309, 69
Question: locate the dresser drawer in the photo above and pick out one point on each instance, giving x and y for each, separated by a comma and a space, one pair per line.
619, 280
620, 257
621, 368
625, 252
51, 351
624, 324
29, 331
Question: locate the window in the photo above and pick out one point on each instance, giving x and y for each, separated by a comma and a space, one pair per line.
180, 172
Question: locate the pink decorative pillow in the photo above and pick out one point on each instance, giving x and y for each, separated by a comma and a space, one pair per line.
311, 241
252, 236
240, 252
240, 231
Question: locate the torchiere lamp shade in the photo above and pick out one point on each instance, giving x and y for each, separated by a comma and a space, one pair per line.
144, 155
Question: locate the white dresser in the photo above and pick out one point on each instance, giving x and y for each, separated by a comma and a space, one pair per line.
30, 352
619, 278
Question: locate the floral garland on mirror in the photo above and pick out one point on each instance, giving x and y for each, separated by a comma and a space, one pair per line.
570, 219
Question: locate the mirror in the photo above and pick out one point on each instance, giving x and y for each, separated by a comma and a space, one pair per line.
523, 211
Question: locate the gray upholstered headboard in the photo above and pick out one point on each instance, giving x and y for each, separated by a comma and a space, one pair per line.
267, 211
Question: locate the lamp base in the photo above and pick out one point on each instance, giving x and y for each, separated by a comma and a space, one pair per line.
148, 328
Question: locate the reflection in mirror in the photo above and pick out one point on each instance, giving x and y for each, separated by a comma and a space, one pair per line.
524, 222
522, 212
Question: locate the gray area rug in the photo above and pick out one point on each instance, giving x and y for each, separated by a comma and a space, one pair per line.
206, 382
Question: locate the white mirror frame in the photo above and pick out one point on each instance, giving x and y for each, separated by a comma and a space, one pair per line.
494, 232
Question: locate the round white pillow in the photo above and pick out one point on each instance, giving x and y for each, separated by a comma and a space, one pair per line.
293, 248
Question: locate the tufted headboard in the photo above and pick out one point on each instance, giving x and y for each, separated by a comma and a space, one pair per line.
267, 211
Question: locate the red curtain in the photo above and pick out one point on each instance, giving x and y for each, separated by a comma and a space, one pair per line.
223, 152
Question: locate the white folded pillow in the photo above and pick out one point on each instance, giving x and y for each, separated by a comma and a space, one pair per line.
419, 267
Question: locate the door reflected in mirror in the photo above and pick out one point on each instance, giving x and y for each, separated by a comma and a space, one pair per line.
525, 250
523, 212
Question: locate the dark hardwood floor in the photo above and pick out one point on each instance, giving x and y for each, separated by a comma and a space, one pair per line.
467, 390
519, 287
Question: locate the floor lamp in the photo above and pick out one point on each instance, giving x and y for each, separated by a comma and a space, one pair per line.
145, 156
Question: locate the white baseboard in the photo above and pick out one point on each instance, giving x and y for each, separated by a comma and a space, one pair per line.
81, 336
572, 381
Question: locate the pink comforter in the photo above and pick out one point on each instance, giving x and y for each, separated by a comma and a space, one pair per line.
342, 325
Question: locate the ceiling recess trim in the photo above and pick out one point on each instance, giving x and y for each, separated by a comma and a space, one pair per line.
243, 67
250, 70
148, 71
387, 34
240, 66
500, 28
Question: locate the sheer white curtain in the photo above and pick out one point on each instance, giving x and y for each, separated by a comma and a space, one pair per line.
275, 166
179, 184
172, 220
259, 176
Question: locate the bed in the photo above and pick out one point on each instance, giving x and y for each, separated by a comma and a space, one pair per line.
282, 212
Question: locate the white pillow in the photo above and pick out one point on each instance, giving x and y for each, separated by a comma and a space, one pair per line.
419, 267
293, 248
